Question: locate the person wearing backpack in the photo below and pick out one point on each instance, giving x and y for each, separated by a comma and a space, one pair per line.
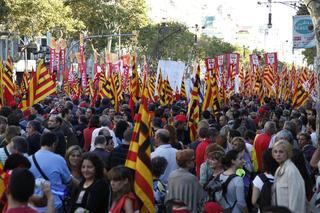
262, 183
233, 187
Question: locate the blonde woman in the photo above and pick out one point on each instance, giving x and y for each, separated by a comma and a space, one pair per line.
289, 189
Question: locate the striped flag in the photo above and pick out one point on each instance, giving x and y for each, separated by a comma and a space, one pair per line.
45, 85
215, 95
159, 83
28, 98
7, 80
300, 96
134, 87
268, 78
194, 107
25, 81
138, 157
183, 93
151, 88
169, 92
208, 92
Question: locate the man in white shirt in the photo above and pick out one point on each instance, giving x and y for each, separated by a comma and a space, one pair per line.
164, 149
105, 123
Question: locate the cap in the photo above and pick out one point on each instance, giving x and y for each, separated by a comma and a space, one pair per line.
180, 118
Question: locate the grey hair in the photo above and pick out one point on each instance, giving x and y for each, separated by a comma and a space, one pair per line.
285, 135
270, 127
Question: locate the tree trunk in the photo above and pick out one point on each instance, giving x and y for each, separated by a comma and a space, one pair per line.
314, 10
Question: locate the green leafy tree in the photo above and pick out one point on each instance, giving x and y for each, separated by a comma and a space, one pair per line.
36, 17
170, 40
110, 17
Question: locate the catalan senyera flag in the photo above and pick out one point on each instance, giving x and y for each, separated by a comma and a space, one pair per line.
183, 93
159, 83
300, 96
194, 107
169, 92
134, 86
45, 85
139, 155
28, 98
8, 76
215, 95
25, 82
268, 77
151, 87
208, 92
7, 80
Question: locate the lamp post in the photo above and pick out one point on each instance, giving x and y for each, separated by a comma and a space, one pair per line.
293, 4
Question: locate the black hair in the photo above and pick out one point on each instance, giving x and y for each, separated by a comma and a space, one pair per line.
21, 184
204, 132
229, 157
5, 111
100, 139
65, 111
94, 121
269, 164
48, 139
97, 163
120, 129
159, 165
83, 119
234, 133
249, 134
36, 125
16, 160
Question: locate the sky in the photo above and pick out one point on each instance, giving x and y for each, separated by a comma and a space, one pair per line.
232, 15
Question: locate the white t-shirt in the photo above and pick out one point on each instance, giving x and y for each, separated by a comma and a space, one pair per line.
257, 182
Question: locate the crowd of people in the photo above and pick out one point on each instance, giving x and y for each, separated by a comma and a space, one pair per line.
68, 156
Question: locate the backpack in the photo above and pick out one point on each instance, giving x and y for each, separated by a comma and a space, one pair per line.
217, 190
265, 193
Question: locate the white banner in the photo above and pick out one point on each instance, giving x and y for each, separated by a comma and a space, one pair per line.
174, 70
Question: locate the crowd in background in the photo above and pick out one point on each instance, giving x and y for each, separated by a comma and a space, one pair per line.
67, 156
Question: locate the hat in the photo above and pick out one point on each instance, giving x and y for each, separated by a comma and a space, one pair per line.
212, 207
261, 111
181, 118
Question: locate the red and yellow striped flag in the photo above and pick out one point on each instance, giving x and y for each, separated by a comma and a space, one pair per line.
183, 93
194, 107
134, 87
138, 157
45, 85
28, 98
208, 92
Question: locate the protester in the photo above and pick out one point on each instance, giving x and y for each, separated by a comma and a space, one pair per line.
234, 198
119, 154
33, 136
87, 132
181, 181
20, 189
288, 180
159, 165
164, 149
123, 198
73, 159
47, 165
93, 192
